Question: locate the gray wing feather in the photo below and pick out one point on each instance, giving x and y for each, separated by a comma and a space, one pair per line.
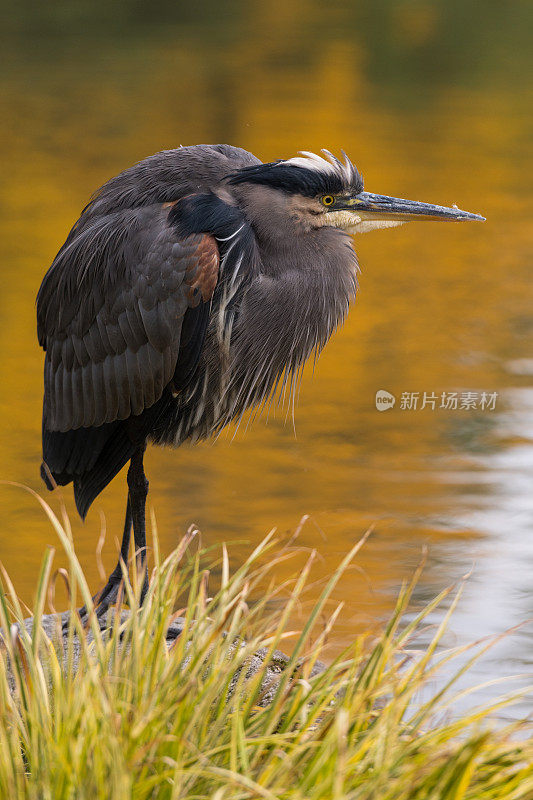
108, 371
109, 312
77, 401
98, 388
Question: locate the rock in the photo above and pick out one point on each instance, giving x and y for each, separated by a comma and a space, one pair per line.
52, 625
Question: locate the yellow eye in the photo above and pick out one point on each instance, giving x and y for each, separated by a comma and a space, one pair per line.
328, 200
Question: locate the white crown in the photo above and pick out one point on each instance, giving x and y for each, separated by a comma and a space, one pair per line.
330, 164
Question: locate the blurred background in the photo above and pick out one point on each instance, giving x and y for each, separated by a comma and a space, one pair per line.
432, 101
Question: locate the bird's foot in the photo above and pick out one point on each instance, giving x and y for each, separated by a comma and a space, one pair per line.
102, 602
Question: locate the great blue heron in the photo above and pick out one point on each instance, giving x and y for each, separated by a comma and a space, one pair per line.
192, 287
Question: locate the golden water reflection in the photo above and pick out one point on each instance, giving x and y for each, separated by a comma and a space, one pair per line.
425, 114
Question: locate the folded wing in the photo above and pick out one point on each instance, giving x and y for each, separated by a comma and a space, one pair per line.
110, 312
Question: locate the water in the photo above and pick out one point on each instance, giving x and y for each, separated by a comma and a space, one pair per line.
432, 102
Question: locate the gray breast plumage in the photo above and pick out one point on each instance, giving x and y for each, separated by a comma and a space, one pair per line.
255, 349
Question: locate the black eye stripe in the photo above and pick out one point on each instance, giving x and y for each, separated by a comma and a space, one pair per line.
299, 180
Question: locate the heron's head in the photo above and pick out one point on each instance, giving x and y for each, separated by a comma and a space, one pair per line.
311, 191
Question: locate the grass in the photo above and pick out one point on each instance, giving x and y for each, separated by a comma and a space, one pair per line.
140, 719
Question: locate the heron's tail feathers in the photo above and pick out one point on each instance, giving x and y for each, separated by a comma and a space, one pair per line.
118, 451
89, 457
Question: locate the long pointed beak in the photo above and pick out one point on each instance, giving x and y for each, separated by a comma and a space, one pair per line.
381, 207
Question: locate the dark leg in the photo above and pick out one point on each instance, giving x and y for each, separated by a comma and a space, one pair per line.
107, 596
138, 487
109, 593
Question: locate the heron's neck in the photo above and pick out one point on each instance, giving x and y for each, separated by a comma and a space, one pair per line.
323, 259
300, 295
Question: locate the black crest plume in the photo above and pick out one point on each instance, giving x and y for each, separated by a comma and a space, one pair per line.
307, 174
